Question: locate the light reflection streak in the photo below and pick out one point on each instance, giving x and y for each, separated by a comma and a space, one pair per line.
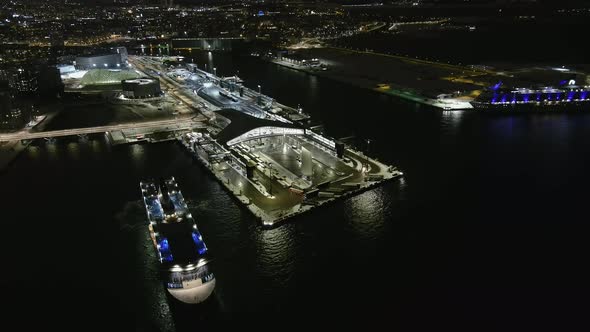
276, 252
365, 212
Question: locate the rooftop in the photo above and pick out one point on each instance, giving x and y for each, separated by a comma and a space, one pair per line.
140, 81
241, 123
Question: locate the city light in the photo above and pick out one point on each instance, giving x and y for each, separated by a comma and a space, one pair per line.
116, 125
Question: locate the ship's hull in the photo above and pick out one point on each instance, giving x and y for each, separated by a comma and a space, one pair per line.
192, 283
177, 242
193, 294
532, 107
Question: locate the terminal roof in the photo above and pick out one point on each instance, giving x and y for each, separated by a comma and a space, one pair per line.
241, 123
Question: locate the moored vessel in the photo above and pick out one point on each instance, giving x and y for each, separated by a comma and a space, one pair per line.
546, 98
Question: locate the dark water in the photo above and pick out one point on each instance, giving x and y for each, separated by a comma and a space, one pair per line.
487, 231
556, 40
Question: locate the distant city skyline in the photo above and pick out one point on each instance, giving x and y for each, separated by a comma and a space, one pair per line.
461, 2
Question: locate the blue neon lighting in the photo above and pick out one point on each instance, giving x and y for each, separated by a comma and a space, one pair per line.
198, 239
539, 96
514, 98
525, 97
494, 98
497, 86
164, 249
570, 95
549, 96
558, 96
583, 95
563, 82
503, 98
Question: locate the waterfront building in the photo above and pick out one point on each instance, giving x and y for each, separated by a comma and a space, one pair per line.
20, 80
139, 88
10, 118
122, 51
43, 81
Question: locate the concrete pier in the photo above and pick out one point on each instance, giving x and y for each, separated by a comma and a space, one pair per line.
261, 151
273, 194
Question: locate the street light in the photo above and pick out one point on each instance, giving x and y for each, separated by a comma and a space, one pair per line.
367, 153
215, 71
259, 95
269, 178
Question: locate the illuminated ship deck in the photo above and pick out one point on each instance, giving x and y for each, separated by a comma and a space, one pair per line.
175, 232
545, 96
528, 87
178, 243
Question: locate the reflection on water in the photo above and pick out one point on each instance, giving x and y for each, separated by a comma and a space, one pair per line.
73, 149
97, 146
314, 88
33, 152
276, 253
451, 119
367, 213
402, 184
137, 155
52, 150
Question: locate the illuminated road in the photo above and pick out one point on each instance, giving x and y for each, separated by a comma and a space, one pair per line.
176, 124
207, 94
176, 90
373, 27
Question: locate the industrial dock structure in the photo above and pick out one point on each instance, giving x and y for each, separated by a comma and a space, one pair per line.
264, 152
279, 172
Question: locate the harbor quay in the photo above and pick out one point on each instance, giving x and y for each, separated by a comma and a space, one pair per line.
279, 176
261, 151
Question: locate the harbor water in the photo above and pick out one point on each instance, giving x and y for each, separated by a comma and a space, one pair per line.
488, 225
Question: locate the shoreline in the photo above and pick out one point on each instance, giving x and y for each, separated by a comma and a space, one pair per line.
447, 87
10, 150
400, 92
